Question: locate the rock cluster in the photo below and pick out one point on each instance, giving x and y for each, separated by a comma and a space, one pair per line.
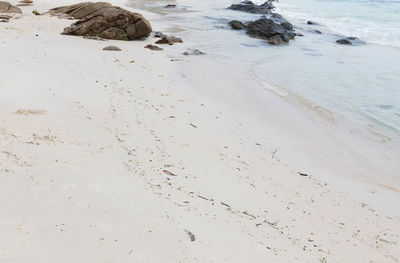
250, 7
274, 33
272, 27
103, 20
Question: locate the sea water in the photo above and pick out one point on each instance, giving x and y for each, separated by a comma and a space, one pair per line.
363, 80
351, 87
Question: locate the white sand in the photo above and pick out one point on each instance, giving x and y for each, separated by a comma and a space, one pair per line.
85, 137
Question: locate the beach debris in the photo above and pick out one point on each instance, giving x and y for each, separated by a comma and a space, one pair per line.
170, 6
132, 61
250, 7
194, 126
274, 33
103, 20
30, 112
36, 13
191, 235
250, 215
193, 52
112, 48
153, 47
353, 41
237, 25
170, 40
302, 174
224, 204
169, 173
207, 199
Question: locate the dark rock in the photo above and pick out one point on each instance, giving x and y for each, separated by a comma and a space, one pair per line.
316, 31
237, 25
103, 20
299, 35
312, 23
277, 18
350, 41
153, 47
343, 41
170, 40
192, 52
291, 34
287, 25
170, 6
275, 40
250, 7
274, 33
112, 48
159, 34
6, 7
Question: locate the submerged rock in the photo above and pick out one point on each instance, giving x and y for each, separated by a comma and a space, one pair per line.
7, 8
312, 23
274, 33
103, 20
350, 41
237, 25
193, 52
316, 31
250, 7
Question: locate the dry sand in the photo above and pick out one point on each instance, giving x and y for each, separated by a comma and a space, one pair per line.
104, 160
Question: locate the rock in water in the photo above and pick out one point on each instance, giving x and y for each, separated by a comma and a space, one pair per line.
103, 20
287, 25
193, 52
312, 23
6, 7
250, 7
237, 25
112, 48
267, 29
354, 41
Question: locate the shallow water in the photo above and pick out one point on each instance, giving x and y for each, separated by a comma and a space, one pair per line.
360, 83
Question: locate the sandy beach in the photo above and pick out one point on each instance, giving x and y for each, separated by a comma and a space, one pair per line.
104, 159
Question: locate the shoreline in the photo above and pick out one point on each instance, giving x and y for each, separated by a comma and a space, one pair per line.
103, 159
